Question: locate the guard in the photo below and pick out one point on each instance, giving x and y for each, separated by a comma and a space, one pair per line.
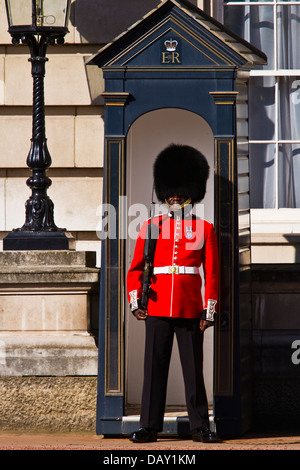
170, 280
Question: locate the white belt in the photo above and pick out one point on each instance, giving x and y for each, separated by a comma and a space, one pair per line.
176, 270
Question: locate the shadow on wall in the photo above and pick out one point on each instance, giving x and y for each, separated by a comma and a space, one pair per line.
293, 239
100, 21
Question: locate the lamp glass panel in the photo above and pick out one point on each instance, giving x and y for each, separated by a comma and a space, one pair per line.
19, 12
54, 13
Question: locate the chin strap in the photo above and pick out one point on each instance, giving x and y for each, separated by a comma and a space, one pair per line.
177, 207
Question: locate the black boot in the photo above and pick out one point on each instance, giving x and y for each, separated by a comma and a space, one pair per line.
204, 434
144, 435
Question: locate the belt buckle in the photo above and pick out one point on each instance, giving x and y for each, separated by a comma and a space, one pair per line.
173, 269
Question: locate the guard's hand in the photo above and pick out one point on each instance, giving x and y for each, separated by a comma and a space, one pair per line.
140, 314
204, 324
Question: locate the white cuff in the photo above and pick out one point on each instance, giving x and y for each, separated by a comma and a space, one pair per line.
210, 311
133, 300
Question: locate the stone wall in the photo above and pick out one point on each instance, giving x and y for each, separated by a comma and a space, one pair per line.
48, 404
49, 306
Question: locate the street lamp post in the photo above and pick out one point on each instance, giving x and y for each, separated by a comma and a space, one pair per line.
38, 23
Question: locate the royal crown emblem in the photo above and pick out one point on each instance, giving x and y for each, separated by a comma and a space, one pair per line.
171, 44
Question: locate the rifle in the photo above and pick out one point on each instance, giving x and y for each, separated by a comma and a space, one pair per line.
149, 250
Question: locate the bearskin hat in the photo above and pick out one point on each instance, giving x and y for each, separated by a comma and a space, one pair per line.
181, 170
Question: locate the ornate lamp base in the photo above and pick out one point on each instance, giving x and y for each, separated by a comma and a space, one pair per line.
20, 240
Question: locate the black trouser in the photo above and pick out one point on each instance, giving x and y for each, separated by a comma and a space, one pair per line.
158, 347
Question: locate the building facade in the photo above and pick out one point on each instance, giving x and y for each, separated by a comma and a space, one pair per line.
269, 198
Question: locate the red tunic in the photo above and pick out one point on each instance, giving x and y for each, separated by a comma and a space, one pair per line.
181, 243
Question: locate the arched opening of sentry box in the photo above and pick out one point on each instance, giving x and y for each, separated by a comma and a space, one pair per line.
147, 136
